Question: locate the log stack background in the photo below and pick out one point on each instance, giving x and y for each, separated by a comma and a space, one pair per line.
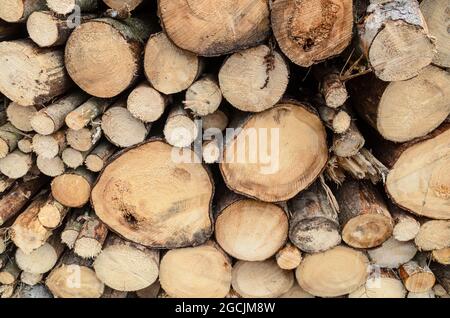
349, 197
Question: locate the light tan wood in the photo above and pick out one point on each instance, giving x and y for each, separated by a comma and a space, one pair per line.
98, 157
217, 120
296, 292
49, 146
120, 5
204, 96
85, 138
442, 255
311, 31
336, 272
25, 144
16, 164
392, 253
91, 237
261, 279
349, 143
255, 79
126, 266
195, 272
168, 68
87, 112
433, 235
20, 116
296, 135
212, 28
73, 188
40, 72
380, 284
212, 151
180, 129
9, 137
67, 6
406, 226
333, 89
50, 167
289, 257
73, 227
52, 213
19, 10
417, 276
9, 274
31, 279
73, 158
339, 121
147, 177
146, 103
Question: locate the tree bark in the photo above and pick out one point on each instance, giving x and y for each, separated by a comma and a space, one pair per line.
417, 276
9, 137
91, 237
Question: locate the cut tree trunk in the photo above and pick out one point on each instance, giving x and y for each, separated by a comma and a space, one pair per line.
442, 274
126, 266
212, 151
98, 157
121, 128
87, 112
91, 237
296, 156
42, 259
9, 274
339, 121
50, 167
417, 276
336, 272
296, 292
124, 199
195, 272
442, 255
382, 283
52, 213
314, 224
213, 122
404, 110
49, 146
392, 253
13, 202
20, 117
73, 277
311, 31
406, 226
73, 188
395, 40
25, 144
212, 28
435, 13
261, 279
73, 227
109, 41
168, 68
204, 96
85, 138
50, 119
31, 279
433, 235
180, 129
68, 6
73, 158
349, 143
16, 164
19, 10
30, 75
331, 86
9, 137
255, 79
146, 103
27, 232
249, 230
364, 217
289, 257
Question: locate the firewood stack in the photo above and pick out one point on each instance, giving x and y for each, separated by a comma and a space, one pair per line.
243, 148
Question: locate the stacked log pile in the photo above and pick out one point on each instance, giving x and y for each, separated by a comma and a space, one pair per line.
268, 148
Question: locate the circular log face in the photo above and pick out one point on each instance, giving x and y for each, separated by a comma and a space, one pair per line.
419, 180
209, 27
148, 198
310, 31
293, 153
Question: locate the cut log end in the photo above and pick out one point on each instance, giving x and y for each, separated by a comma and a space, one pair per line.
442, 255
50, 167
417, 278
16, 164
94, 163
43, 28
146, 104
367, 230
31, 279
62, 6
72, 189
39, 261
180, 131
203, 97
289, 257
87, 247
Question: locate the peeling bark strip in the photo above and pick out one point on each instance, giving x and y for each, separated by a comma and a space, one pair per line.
394, 38
310, 31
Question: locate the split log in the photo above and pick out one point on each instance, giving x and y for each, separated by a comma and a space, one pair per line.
195, 272
52, 213
47, 30
20, 116
180, 129
73, 227
9, 137
85, 138
87, 112
281, 171
151, 291
98, 157
436, 17
261, 279
121, 128
210, 28
120, 5
392, 253
27, 232
336, 272
109, 41
314, 224
64, 7
204, 96
249, 230
25, 144
395, 40
50, 119
50, 167
124, 185
423, 187
310, 31
339, 121
146, 103
364, 217
91, 237
442, 255
442, 274
13, 202
16, 164
19, 10
381, 283
38, 291
9, 273
168, 68
31, 279
404, 110
349, 143
433, 235
73, 158
42, 259
417, 276
49, 146
406, 227
73, 277
126, 266
255, 79
30, 75
289, 257
73, 188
